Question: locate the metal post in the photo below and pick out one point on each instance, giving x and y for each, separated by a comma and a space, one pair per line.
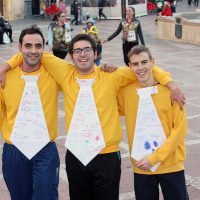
123, 8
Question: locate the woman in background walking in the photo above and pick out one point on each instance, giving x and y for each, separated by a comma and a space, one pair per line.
132, 31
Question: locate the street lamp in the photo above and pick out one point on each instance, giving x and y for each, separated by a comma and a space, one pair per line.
123, 8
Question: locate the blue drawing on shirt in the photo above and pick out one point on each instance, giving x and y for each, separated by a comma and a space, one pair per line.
147, 145
155, 143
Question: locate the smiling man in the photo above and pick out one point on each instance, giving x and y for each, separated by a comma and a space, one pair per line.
29, 107
154, 162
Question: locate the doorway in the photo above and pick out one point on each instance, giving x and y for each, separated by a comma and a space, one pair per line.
35, 7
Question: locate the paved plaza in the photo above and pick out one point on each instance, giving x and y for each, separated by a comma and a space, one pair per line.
181, 60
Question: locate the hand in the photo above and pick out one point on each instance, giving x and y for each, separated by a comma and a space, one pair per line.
144, 164
176, 94
104, 41
3, 69
108, 68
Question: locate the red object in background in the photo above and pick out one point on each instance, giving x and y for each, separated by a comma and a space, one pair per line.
167, 10
53, 9
151, 7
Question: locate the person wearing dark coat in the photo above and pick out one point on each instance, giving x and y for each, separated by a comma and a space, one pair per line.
5, 27
74, 11
101, 5
132, 32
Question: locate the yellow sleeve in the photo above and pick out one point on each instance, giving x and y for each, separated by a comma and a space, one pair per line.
15, 61
2, 108
161, 76
120, 102
178, 134
57, 67
122, 77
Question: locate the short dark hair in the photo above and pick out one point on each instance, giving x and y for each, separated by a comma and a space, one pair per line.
139, 49
31, 30
80, 37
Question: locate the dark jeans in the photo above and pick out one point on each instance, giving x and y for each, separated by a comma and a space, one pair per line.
172, 184
101, 13
126, 47
99, 180
1, 37
35, 179
75, 19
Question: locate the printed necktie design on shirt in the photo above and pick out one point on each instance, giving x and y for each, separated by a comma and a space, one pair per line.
30, 133
85, 138
149, 133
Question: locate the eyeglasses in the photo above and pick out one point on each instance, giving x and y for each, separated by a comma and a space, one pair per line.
86, 50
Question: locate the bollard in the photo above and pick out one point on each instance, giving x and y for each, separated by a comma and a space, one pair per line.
178, 28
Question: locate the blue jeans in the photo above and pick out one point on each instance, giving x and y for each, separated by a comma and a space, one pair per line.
35, 179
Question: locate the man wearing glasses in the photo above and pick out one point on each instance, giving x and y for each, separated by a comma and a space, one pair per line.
93, 163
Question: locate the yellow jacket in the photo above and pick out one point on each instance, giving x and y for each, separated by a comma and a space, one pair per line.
10, 98
172, 153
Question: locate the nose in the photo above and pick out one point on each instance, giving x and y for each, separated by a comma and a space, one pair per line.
140, 66
82, 52
33, 50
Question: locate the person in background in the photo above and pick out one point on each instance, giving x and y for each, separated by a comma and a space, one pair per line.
160, 5
90, 26
173, 4
1, 31
101, 5
196, 3
166, 10
94, 35
43, 6
62, 6
6, 27
59, 35
171, 153
36, 178
74, 11
132, 32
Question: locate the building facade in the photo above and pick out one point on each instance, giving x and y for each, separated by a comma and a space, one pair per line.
19, 9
